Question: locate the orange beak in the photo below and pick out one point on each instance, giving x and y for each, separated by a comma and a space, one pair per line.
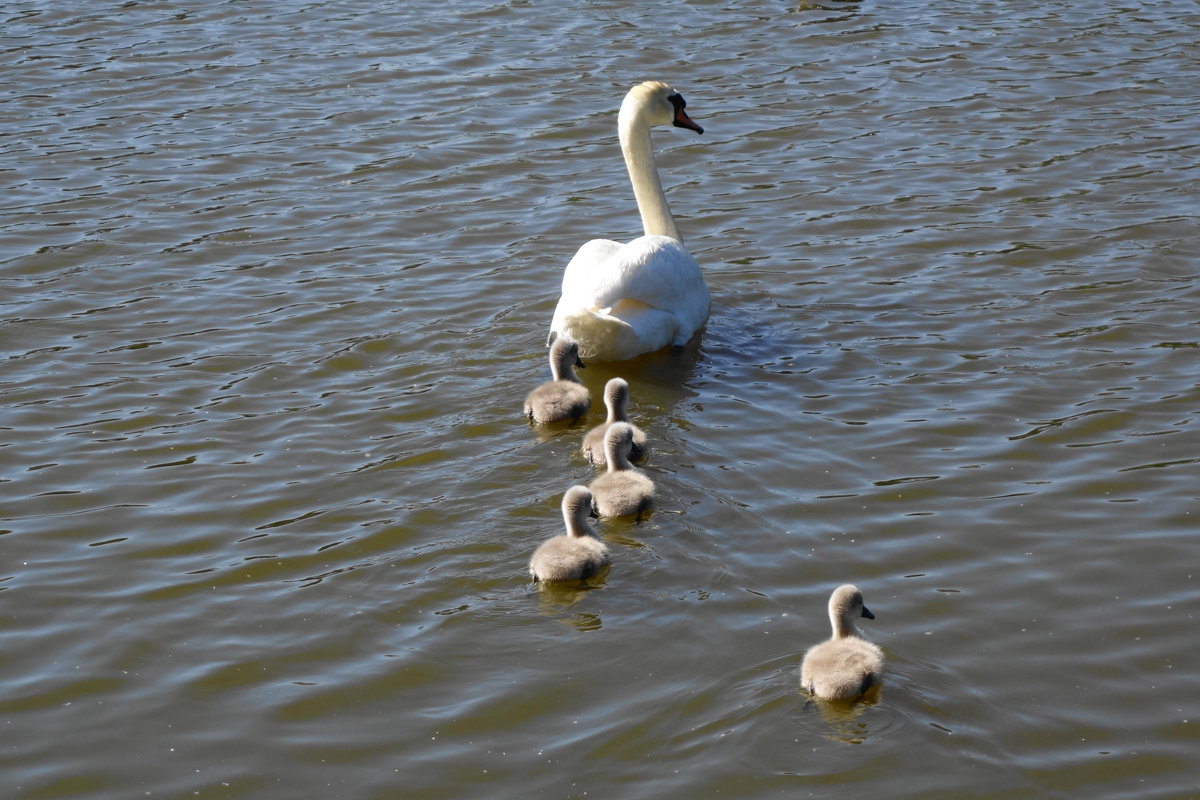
682, 120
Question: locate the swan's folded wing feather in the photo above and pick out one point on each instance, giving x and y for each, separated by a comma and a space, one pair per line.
586, 275
654, 270
622, 300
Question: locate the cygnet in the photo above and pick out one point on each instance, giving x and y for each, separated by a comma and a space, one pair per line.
616, 400
846, 665
576, 554
564, 397
622, 490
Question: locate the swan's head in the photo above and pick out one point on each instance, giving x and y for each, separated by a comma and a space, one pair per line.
564, 354
618, 442
846, 603
616, 396
658, 103
577, 507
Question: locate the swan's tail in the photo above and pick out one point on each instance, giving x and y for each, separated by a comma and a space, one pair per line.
624, 331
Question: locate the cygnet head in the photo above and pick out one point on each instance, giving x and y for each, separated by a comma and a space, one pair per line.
657, 103
845, 606
576, 509
618, 442
616, 400
564, 354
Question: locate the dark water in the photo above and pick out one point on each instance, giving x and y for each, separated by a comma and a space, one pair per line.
275, 280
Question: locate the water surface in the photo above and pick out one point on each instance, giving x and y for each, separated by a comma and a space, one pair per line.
275, 280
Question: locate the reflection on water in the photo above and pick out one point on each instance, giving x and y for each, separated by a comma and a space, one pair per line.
842, 717
829, 5
556, 598
619, 533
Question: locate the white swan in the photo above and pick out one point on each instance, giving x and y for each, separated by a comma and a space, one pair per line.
616, 400
576, 554
621, 300
845, 665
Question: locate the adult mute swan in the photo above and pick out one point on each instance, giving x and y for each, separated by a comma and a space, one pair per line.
845, 665
621, 300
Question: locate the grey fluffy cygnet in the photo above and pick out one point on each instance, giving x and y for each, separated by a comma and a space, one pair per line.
576, 554
846, 665
616, 400
622, 490
564, 397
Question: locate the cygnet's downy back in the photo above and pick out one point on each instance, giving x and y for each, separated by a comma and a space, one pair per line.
564, 397
622, 490
576, 554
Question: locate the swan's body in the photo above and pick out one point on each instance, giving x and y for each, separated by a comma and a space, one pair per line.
846, 665
576, 554
616, 400
621, 300
622, 490
563, 397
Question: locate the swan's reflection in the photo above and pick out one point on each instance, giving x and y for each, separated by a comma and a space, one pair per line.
555, 599
659, 383
842, 716
849, 9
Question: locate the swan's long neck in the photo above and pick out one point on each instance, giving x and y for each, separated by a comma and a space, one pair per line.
634, 130
575, 515
560, 365
616, 452
561, 371
615, 402
843, 626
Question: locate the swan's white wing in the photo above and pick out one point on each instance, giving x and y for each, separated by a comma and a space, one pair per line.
585, 279
622, 300
657, 271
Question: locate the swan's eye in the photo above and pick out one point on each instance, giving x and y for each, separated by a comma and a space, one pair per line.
681, 119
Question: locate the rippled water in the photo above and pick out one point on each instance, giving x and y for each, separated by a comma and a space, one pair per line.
276, 279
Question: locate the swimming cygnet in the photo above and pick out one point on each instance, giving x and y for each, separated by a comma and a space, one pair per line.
846, 665
622, 490
564, 397
576, 554
616, 400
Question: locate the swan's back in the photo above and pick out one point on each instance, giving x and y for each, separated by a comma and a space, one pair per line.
841, 669
619, 301
655, 270
566, 558
555, 401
